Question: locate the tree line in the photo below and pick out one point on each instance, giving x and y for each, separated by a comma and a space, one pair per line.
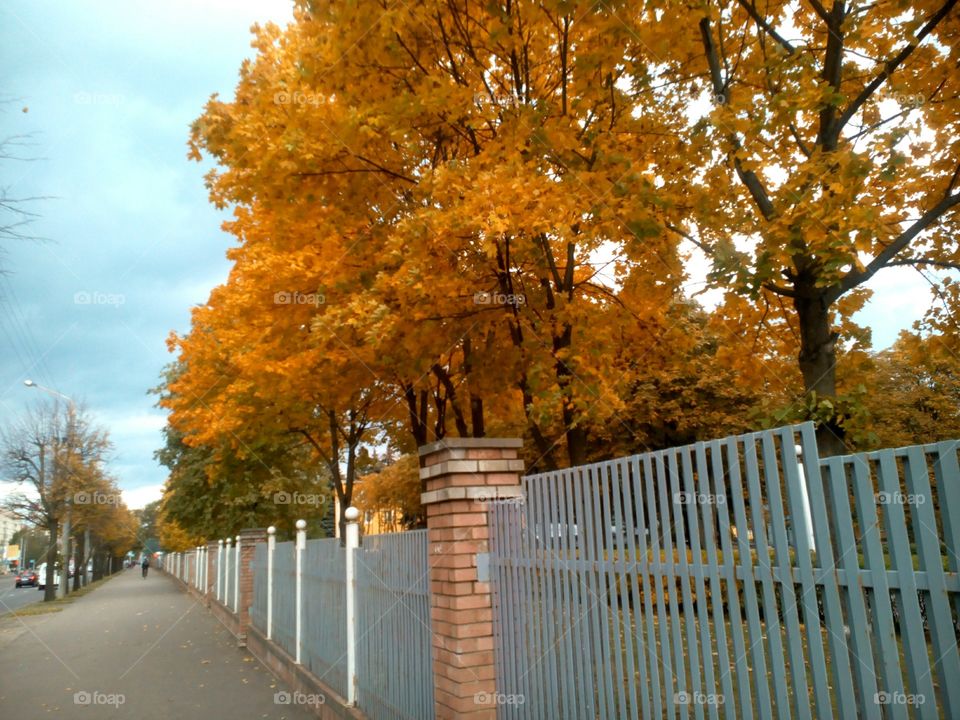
480, 219
57, 456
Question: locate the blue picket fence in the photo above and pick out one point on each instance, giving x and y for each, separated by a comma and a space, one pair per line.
732, 579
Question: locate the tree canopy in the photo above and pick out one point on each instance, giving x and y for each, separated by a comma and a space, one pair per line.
467, 219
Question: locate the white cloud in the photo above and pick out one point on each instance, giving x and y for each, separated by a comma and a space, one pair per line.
136, 498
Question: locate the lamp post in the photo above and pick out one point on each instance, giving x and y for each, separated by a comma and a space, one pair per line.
65, 541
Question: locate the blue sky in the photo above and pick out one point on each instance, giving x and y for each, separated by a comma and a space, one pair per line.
109, 91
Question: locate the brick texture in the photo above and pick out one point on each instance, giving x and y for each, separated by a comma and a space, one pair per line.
461, 612
248, 542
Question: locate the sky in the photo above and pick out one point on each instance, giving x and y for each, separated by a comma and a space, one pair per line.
106, 93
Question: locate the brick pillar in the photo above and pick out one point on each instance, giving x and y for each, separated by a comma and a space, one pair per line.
248, 543
460, 476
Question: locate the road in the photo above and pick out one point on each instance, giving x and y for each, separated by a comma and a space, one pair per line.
14, 598
134, 648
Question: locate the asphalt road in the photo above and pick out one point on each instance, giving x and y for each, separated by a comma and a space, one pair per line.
14, 598
133, 648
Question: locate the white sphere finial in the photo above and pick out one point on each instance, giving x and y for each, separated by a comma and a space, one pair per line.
301, 524
220, 541
351, 514
271, 530
238, 538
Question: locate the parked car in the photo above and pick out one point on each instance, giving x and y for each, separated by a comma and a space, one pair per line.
42, 576
27, 578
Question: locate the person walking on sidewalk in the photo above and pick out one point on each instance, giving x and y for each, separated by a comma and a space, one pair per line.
145, 565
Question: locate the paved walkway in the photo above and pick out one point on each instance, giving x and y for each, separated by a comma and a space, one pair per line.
133, 648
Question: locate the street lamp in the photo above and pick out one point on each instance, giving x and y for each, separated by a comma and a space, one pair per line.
65, 542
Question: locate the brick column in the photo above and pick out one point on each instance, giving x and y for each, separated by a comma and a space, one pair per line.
248, 543
211, 587
460, 476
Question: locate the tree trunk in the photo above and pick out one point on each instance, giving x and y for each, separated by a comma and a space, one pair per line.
576, 435
50, 592
97, 566
78, 561
818, 363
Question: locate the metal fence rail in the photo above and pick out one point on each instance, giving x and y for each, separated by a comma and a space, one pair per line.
394, 641
284, 598
688, 582
324, 612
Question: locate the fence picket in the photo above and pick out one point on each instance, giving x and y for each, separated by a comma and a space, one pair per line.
854, 593
946, 660
898, 539
797, 498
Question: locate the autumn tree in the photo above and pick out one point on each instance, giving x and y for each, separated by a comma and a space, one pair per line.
465, 183
830, 151
393, 486
56, 453
915, 392
224, 479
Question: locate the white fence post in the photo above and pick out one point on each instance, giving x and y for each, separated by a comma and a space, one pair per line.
228, 546
300, 546
219, 564
271, 548
805, 496
351, 515
236, 579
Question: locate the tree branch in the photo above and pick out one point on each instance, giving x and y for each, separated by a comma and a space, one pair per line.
819, 9
752, 12
854, 278
925, 261
892, 64
747, 177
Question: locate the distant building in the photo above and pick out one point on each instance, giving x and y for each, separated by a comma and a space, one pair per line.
9, 525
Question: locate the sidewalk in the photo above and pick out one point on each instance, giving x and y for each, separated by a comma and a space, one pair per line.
133, 648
